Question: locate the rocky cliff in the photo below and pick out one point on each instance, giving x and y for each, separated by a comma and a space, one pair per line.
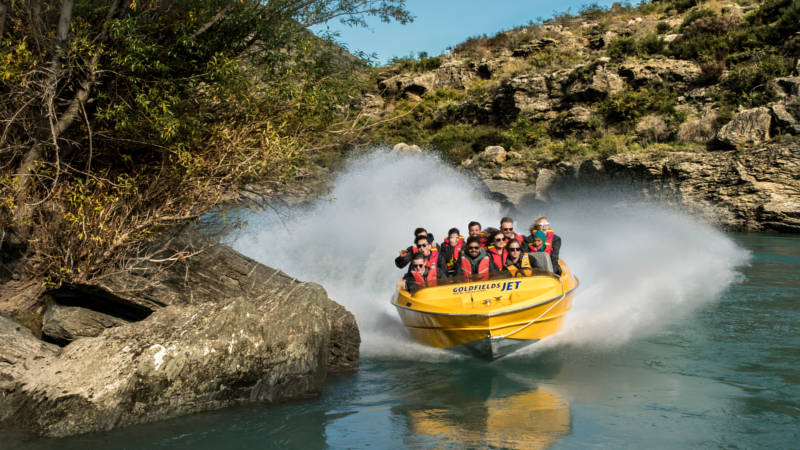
209, 330
698, 103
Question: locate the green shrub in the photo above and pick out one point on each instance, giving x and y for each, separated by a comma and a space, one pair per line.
663, 27
424, 63
747, 82
695, 15
460, 141
621, 47
652, 44
682, 5
629, 105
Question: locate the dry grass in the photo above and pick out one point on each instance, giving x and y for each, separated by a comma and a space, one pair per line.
699, 130
653, 128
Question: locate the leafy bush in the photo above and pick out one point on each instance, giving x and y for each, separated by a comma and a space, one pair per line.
423, 64
460, 141
629, 105
621, 47
652, 44
747, 82
695, 15
663, 27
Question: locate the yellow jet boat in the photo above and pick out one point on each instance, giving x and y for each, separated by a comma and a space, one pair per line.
489, 317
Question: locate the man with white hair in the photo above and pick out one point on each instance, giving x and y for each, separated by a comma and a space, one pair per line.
552, 243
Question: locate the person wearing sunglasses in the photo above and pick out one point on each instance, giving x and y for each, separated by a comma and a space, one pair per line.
475, 263
497, 251
507, 227
420, 273
552, 242
450, 252
518, 263
405, 255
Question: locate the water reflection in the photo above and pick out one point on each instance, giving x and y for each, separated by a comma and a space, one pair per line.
484, 406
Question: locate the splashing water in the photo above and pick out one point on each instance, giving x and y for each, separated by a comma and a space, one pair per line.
639, 267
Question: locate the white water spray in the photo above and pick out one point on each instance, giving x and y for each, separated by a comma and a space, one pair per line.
638, 267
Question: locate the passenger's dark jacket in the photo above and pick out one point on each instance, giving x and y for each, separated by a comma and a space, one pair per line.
553, 254
518, 264
446, 254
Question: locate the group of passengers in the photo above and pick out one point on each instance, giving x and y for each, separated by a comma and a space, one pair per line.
484, 251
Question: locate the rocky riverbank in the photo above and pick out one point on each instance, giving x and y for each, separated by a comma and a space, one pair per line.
206, 329
757, 190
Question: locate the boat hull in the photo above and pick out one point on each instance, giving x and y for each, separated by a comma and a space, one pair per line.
488, 318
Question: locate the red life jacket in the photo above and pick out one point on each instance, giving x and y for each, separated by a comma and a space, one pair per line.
466, 267
548, 243
430, 276
518, 237
499, 261
434, 256
451, 263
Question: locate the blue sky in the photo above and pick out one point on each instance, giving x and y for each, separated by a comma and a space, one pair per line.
443, 23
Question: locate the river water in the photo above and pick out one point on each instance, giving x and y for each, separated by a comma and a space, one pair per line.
680, 335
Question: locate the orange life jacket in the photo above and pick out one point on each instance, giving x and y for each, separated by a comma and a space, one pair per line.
499, 261
451, 263
466, 267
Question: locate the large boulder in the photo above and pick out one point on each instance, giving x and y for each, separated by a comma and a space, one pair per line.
242, 333
64, 324
589, 83
748, 127
494, 154
784, 118
405, 85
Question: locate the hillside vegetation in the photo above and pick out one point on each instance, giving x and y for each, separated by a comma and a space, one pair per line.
122, 118
663, 76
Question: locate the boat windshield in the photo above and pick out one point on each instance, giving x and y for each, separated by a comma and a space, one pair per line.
459, 279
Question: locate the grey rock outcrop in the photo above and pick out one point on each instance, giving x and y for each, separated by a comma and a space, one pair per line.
755, 190
242, 333
403, 148
748, 127
599, 83
64, 324
494, 153
660, 72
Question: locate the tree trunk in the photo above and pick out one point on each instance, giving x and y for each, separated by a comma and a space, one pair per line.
3, 11
35, 154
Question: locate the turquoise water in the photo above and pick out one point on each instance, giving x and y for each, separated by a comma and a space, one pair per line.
725, 375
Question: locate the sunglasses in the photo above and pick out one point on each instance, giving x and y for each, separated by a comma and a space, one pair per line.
543, 225
418, 266
513, 249
423, 245
473, 248
507, 229
499, 240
